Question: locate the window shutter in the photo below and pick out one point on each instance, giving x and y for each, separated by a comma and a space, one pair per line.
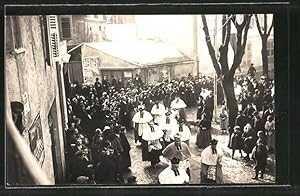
66, 27
9, 36
53, 38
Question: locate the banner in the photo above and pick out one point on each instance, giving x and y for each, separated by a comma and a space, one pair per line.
36, 140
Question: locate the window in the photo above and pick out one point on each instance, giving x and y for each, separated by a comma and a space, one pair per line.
14, 42
50, 37
270, 50
66, 27
247, 58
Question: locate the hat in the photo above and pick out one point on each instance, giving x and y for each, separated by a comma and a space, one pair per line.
17, 106
82, 179
237, 127
98, 131
106, 128
175, 160
140, 107
213, 142
79, 153
260, 133
131, 179
177, 135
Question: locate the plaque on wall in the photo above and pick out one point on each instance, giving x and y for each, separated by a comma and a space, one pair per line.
36, 140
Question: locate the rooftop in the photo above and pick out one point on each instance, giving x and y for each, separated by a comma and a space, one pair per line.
141, 52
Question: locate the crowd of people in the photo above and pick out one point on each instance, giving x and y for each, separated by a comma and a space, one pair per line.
98, 151
254, 131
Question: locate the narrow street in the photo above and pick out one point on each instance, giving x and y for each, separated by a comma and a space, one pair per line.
234, 170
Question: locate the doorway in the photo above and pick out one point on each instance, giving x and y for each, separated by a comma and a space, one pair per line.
55, 144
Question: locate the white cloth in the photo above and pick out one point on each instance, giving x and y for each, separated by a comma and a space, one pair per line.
150, 135
208, 158
158, 111
167, 176
185, 134
167, 126
146, 117
154, 145
178, 103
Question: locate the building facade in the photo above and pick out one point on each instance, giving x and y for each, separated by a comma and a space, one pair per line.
34, 80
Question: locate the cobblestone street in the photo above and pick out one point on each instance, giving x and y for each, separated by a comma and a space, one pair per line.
234, 170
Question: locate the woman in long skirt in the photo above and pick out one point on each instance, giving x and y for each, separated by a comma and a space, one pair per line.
204, 133
223, 120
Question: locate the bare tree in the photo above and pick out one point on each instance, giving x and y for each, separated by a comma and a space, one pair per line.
264, 33
224, 73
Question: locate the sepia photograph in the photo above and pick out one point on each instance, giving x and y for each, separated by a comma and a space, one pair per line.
140, 100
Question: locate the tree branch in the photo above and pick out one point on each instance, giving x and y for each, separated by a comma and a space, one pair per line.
233, 19
258, 25
265, 24
228, 31
240, 46
210, 47
272, 24
247, 25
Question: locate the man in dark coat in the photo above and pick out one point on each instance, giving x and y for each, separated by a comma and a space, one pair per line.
113, 81
107, 171
137, 81
209, 106
125, 156
105, 84
82, 166
249, 110
124, 113
259, 154
258, 100
257, 122
241, 120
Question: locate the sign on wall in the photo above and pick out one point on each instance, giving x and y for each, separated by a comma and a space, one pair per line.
36, 140
26, 103
90, 66
127, 74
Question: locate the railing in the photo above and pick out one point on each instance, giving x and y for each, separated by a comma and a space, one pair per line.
28, 160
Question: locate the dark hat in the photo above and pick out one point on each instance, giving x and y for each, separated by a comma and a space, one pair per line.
116, 128
180, 120
175, 160
213, 142
79, 153
131, 179
177, 135
17, 106
82, 179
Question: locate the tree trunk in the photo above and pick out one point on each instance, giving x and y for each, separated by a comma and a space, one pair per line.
264, 55
231, 101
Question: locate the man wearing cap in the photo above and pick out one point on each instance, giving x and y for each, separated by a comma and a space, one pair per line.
179, 150
174, 174
183, 130
236, 141
211, 164
251, 70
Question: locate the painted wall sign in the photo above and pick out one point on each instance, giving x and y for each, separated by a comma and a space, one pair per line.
25, 101
36, 140
127, 74
90, 67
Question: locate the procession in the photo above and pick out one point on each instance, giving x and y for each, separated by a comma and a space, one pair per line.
141, 100
104, 114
